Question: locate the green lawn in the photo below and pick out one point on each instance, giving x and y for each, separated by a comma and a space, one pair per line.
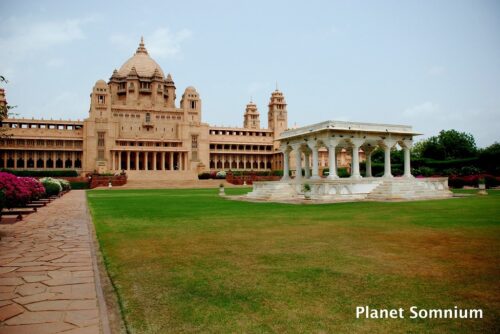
186, 261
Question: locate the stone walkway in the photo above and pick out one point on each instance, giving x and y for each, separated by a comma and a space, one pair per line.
48, 272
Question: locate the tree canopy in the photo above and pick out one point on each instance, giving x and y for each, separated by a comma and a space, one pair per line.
449, 144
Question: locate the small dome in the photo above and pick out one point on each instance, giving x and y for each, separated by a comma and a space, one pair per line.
191, 89
143, 63
101, 83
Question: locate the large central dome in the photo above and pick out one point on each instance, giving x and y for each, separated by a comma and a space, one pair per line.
143, 63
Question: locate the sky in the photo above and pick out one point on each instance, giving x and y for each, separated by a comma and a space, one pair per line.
430, 64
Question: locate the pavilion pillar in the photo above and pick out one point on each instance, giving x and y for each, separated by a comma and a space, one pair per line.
154, 160
146, 160
171, 160
332, 158
307, 167
356, 144
314, 148
162, 161
119, 160
128, 160
298, 162
137, 160
407, 168
113, 160
368, 155
388, 144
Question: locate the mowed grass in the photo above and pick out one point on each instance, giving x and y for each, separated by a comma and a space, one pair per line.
188, 261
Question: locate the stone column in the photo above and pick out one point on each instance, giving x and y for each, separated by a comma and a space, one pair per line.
407, 168
307, 167
332, 158
314, 148
356, 144
162, 161
154, 160
128, 160
137, 160
171, 160
146, 160
388, 144
368, 154
113, 162
119, 160
298, 162
286, 163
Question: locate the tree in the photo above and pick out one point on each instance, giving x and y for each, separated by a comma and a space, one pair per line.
4, 110
489, 158
449, 144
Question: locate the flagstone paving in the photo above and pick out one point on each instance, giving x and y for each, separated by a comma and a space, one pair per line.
47, 278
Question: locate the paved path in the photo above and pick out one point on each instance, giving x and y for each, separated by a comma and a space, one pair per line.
47, 272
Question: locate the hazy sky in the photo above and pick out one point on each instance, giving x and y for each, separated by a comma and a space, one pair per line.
431, 64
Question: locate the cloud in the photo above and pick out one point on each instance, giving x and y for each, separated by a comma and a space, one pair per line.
422, 110
257, 87
161, 43
55, 62
436, 71
23, 37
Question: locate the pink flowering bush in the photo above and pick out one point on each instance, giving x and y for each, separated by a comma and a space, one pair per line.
18, 191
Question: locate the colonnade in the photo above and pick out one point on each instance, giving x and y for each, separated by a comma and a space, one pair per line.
149, 160
241, 161
309, 146
27, 159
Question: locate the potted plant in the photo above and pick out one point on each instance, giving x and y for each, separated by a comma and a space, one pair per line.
221, 190
307, 191
482, 186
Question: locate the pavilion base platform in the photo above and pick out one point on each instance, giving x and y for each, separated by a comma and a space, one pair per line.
349, 190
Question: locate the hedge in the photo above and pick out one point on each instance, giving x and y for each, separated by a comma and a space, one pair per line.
42, 173
79, 185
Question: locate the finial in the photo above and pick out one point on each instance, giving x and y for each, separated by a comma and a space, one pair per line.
251, 99
277, 85
141, 48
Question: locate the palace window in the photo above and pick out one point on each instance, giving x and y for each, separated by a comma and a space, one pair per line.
193, 104
194, 141
100, 139
148, 117
100, 99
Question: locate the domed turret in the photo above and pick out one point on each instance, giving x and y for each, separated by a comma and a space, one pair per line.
144, 65
251, 118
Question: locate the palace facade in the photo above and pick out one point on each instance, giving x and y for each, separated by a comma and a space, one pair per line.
135, 125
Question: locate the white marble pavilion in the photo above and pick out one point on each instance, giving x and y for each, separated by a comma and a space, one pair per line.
353, 136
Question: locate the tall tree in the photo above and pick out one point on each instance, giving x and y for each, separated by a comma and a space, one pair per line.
449, 144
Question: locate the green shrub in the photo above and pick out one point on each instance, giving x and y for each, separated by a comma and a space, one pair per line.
64, 184
220, 175
342, 172
277, 172
42, 173
52, 186
469, 170
79, 185
204, 176
424, 171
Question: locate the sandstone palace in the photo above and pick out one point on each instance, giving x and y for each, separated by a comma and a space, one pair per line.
136, 125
